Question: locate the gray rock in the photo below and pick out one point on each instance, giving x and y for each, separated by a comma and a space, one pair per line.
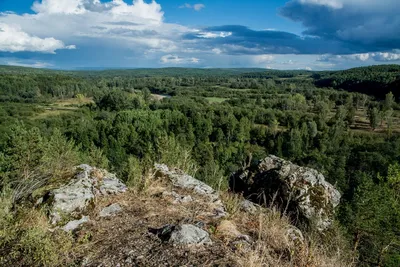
73, 225
88, 183
111, 185
294, 235
188, 234
249, 206
111, 210
182, 180
178, 199
304, 191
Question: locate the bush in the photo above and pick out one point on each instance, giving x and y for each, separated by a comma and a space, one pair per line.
25, 239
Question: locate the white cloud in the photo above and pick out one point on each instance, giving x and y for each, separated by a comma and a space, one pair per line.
59, 6
386, 56
364, 57
151, 11
13, 39
196, 7
177, 60
137, 10
214, 35
263, 59
336, 4
37, 64
138, 26
216, 51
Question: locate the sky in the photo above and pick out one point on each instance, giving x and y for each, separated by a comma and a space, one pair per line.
273, 34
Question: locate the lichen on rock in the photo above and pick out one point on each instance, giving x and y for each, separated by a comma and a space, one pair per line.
79, 192
300, 190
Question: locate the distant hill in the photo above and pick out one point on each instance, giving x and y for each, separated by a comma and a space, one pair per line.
374, 80
156, 72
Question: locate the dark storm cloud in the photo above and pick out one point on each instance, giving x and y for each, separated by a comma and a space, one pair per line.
369, 24
237, 39
337, 27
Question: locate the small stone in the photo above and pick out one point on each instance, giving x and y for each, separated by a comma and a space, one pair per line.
111, 210
294, 235
186, 199
248, 206
73, 225
188, 234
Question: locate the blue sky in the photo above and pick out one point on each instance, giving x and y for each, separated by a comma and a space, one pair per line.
278, 34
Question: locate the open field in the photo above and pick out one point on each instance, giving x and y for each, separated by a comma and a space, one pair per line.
64, 106
216, 99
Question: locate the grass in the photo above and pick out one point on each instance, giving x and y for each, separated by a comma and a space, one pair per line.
273, 246
64, 106
52, 112
158, 97
216, 99
25, 239
73, 102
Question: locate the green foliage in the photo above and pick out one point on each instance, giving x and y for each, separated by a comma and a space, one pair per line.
59, 156
25, 239
373, 115
375, 207
31, 161
95, 157
172, 153
393, 178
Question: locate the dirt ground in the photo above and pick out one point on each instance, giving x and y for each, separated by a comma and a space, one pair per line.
124, 240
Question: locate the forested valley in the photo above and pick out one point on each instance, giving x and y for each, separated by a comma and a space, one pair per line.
209, 123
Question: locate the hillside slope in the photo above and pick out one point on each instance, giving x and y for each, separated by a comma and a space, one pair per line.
175, 220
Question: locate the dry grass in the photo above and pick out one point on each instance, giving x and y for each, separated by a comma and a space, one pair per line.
125, 239
73, 102
62, 107
25, 238
232, 202
158, 97
274, 247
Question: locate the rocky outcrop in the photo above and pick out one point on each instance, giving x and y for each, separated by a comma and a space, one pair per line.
184, 181
302, 192
79, 193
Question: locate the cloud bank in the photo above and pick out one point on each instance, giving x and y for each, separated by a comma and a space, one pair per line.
13, 39
337, 33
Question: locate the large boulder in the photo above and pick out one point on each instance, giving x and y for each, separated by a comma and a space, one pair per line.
302, 192
79, 192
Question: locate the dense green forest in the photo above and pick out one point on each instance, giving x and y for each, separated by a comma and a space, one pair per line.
211, 122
